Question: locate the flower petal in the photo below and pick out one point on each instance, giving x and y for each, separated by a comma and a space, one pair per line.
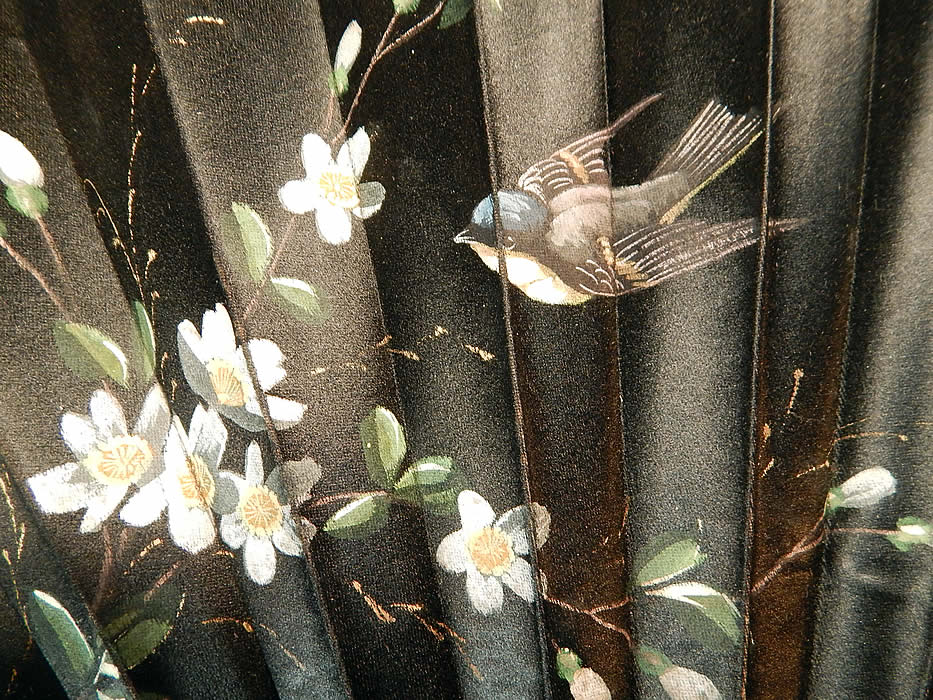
520, 578
867, 488
232, 530
284, 412
100, 506
107, 414
54, 491
315, 155
515, 523
286, 539
217, 332
79, 434
248, 417
227, 496
485, 592
354, 153
586, 684
194, 355
452, 553
154, 418
371, 195
349, 46
255, 473
144, 506
259, 557
475, 512
267, 359
333, 223
686, 684
300, 196
208, 437
192, 529
17, 165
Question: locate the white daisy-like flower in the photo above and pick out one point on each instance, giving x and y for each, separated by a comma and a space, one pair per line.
190, 487
489, 552
110, 459
216, 370
17, 165
261, 522
331, 188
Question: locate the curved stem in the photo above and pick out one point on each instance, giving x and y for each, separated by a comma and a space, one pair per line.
27, 266
50, 244
592, 613
812, 539
863, 531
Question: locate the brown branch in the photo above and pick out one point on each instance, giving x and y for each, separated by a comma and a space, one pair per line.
270, 268
863, 531
592, 613
50, 244
346, 496
28, 267
809, 541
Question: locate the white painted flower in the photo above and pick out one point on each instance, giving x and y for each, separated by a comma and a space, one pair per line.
489, 552
216, 370
686, 684
864, 489
189, 487
589, 685
17, 165
331, 188
261, 522
109, 459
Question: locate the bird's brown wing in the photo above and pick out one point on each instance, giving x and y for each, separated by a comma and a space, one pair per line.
653, 254
579, 163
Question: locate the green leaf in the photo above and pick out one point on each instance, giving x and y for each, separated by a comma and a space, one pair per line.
300, 299
454, 11
360, 518
567, 664
338, 81
431, 482
139, 626
2, 229
89, 353
708, 615
383, 445
911, 531
665, 557
28, 200
404, 7
651, 661
246, 241
145, 339
61, 642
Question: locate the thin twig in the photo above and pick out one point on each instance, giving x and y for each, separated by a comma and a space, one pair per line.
592, 614
813, 538
50, 244
334, 498
270, 268
37, 276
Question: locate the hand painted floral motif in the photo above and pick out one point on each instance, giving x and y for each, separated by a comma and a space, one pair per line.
331, 188
110, 459
17, 165
866, 488
489, 552
190, 487
260, 523
216, 370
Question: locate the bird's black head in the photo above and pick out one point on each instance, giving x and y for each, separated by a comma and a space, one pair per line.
522, 216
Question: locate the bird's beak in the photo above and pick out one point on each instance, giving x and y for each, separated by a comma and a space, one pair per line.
464, 237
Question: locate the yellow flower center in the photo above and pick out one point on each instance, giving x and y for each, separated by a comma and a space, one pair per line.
261, 511
339, 188
119, 461
491, 551
227, 382
197, 484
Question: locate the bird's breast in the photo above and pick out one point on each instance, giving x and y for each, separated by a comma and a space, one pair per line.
537, 281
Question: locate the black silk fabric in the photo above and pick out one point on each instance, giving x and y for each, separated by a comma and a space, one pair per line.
258, 444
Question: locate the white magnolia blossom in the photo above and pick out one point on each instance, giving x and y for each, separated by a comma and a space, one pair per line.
260, 523
189, 487
589, 685
17, 165
686, 684
331, 188
109, 459
216, 370
489, 552
349, 47
866, 488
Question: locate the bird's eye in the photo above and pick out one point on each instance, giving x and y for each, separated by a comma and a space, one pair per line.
509, 243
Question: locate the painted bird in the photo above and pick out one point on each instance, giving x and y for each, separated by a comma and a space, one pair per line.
568, 236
